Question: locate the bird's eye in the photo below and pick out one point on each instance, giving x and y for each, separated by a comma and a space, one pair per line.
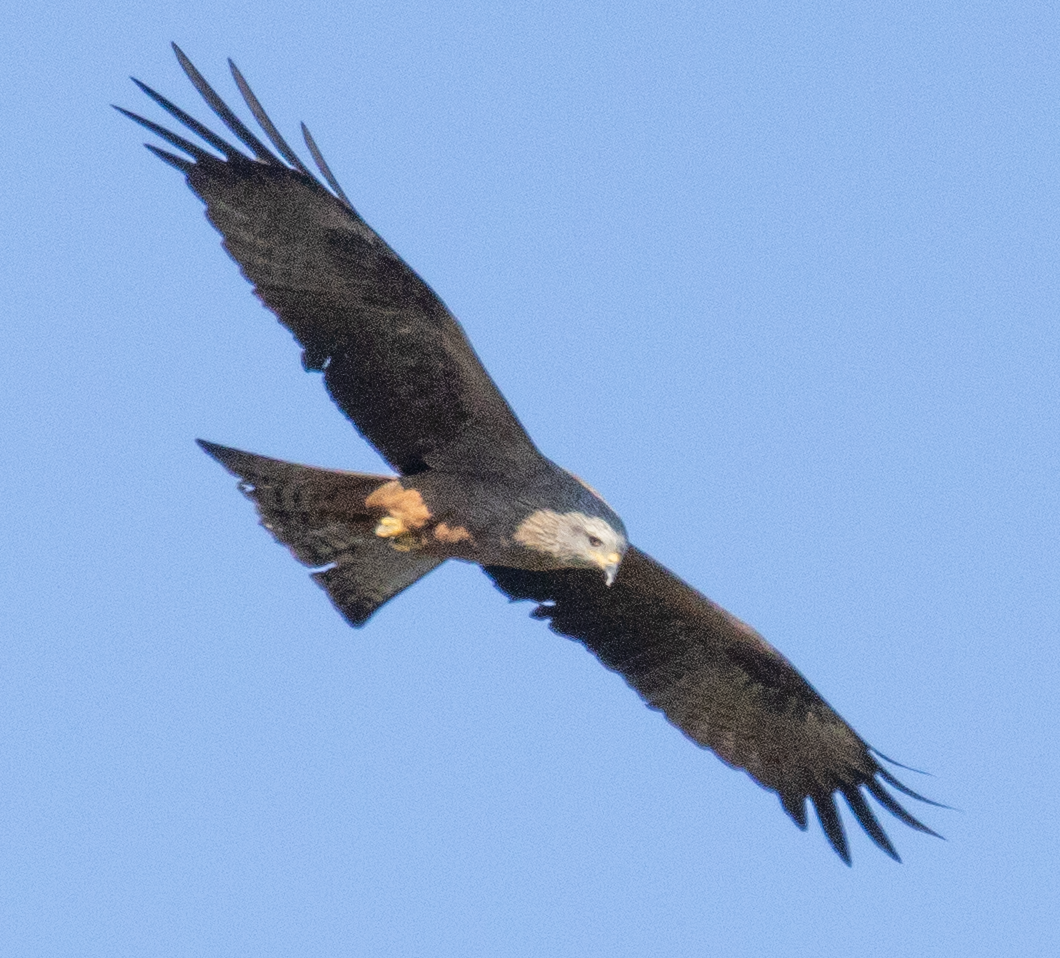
595, 542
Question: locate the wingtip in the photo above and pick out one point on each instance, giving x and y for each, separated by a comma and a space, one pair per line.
322, 165
891, 761
177, 162
185, 64
895, 783
868, 821
143, 86
795, 807
888, 801
832, 824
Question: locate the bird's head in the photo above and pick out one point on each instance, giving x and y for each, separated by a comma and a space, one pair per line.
573, 540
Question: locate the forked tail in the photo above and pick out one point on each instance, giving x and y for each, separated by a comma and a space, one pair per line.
322, 517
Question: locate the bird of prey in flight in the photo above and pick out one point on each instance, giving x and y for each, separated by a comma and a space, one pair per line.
471, 485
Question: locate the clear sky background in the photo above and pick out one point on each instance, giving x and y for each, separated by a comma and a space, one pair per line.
781, 283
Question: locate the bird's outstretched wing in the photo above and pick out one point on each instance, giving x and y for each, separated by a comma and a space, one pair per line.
394, 359
720, 683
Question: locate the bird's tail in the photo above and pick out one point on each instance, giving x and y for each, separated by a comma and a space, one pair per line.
322, 517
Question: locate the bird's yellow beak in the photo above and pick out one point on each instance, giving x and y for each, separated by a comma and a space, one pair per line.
609, 564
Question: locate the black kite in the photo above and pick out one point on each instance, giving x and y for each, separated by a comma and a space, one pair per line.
472, 485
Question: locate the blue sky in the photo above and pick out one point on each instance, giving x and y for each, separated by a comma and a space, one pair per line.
781, 284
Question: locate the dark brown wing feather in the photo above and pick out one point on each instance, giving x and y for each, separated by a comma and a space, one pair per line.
394, 359
720, 683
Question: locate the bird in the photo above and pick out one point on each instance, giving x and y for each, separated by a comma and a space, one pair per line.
471, 485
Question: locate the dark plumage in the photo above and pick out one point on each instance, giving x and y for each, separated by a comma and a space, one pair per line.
396, 362
381, 533
720, 683
472, 485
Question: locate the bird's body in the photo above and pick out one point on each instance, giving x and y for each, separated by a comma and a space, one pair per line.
412, 523
471, 485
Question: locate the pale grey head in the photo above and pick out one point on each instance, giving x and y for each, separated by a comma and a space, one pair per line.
572, 540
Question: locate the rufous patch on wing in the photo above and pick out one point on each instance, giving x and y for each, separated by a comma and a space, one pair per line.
404, 505
451, 534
